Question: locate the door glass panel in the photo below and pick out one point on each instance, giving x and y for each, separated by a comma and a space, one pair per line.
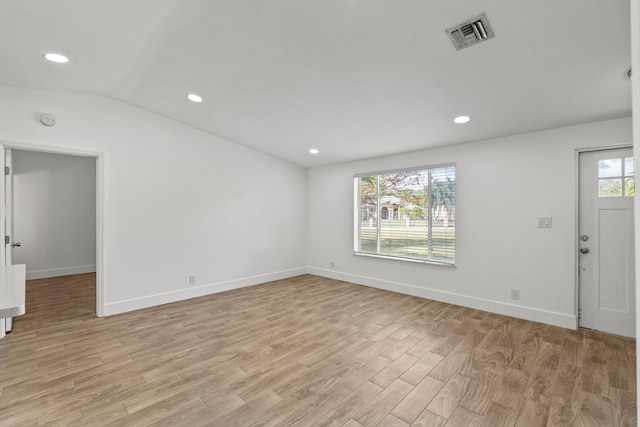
612, 173
629, 167
610, 187
629, 186
609, 168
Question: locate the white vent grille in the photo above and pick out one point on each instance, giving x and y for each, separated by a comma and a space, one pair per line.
471, 32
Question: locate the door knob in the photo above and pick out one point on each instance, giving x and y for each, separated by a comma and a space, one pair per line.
16, 244
584, 250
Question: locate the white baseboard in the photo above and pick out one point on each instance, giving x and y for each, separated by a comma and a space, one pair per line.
197, 291
527, 313
55, 272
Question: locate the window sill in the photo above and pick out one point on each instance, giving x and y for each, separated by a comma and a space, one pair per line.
418, 261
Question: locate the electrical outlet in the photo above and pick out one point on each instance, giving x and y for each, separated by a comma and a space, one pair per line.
515, 294
192, 279
333, 264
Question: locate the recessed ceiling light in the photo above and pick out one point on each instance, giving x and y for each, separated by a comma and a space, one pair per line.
314, 151
195, 98
462, 119
56, 57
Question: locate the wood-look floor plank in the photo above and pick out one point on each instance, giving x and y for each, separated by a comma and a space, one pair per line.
401, 347
364, 372
449, 365
450, 396
532, 414
383, 404
499, 416
305, 351
421, 368
342, 412
394, 370
307, 410
623, 406
429, 419
568, 384
563, 413
595, 411
511, 389
595, 377
462, 417
417, 400
481, 392
471, 341
391, 421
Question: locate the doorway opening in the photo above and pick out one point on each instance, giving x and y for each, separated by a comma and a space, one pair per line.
76, 211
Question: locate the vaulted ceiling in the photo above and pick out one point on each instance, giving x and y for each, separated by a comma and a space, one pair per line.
352, 78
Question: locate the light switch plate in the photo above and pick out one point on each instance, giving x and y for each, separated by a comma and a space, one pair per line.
544, 222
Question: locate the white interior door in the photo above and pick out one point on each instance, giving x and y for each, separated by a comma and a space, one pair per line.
8, 218
5, 324
606, 259
8, 204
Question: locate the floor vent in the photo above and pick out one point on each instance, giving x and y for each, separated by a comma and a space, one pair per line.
471, 32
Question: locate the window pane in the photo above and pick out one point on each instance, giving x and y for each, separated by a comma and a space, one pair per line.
610, 187
402, 241
629, 187
629, 166
443, 190
444, 242
609, 168
368, 214
368, 239
402, 195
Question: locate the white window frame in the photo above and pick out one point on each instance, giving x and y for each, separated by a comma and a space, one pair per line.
357, 213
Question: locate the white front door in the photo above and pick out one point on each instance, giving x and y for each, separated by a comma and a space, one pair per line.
606, 259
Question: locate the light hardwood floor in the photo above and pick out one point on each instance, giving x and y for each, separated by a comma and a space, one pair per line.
304, 351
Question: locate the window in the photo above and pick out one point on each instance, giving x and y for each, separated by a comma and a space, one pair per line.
407, 214
616, 177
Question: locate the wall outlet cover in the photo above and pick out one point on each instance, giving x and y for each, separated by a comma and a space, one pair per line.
544, 222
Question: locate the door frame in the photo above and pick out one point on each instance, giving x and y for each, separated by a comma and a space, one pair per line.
576, 240
100, 205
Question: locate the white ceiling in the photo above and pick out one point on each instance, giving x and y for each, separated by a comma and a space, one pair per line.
353, 78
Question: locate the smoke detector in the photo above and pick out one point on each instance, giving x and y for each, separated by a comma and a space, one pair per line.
470, 32
47, 119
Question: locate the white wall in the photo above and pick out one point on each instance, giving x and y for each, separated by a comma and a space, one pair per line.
177, 201
54, 213
503, 185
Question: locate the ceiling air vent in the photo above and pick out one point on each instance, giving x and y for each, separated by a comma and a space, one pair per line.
471, 32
